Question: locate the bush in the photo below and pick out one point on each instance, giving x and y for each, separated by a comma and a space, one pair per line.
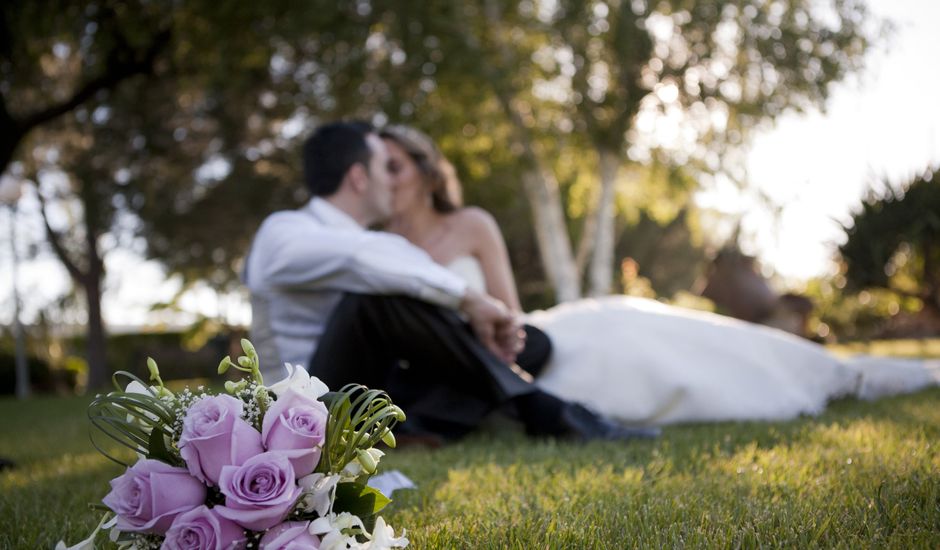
129, 352
42, 378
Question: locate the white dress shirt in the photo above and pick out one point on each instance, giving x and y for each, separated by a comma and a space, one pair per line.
301, 263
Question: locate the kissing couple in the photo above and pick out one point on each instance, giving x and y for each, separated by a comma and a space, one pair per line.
393, 308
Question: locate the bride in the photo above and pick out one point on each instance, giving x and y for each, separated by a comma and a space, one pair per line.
634, 359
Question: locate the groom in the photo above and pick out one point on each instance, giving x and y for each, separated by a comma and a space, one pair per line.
368, 307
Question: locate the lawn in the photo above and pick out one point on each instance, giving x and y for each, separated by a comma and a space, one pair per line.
861, 475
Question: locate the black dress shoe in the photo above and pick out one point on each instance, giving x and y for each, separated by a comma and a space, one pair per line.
426, 440
580, 423
413, 434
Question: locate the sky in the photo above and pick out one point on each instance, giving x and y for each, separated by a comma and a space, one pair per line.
816, 166
883, 125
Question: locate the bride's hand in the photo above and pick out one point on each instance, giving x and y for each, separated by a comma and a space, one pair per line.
510, 338
492, 323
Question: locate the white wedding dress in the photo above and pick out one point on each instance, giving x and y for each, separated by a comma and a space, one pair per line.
642, 361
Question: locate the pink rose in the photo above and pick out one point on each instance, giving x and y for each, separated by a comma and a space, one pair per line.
215, 435
290, 535
260, 493
150, 494
296, 425
202, 528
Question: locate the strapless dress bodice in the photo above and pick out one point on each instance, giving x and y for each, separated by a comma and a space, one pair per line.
469, 269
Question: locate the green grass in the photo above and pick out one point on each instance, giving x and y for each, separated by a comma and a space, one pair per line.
861, 475
925, 347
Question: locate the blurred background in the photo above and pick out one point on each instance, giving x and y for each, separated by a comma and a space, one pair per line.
766, 159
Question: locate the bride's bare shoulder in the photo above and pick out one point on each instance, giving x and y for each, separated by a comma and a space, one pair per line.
473, 217
477, 228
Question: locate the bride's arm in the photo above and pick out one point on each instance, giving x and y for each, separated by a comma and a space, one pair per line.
490, 249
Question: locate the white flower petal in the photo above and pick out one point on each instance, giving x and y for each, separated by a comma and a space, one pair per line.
317, 387
320, 526
298, 379
89, 543
318, 492
137, 387
383, 537
351, 470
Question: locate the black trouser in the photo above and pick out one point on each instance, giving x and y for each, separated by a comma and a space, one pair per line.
426, 357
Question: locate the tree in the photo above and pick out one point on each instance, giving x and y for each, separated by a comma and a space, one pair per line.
778, 57
893, 241
723, 67
151, 107
201, 131
32, 71
39, 86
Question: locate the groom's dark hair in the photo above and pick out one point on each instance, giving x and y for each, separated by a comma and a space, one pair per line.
331, 151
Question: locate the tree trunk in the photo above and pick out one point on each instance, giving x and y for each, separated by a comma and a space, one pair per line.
540, 185
96, 337
551, 230
552, 233
588, 236
98, 373
10, 137
931, 278
602, 260
90, 279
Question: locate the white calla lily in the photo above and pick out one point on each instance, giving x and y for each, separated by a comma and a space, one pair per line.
138, 388
318, 493
383, 537
298, 379
330, 529
89, 543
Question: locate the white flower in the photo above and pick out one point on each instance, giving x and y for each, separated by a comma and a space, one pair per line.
356, 466
299, 379
89, 543
331, 529
138, 388
383, 537
351, 470
318, 493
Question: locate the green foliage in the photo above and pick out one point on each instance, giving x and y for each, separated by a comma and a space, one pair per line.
137, 421
43, 378
893, 241
359, 499
130, 351
913, 348
359, 419
193, 152
671, 255
843, 315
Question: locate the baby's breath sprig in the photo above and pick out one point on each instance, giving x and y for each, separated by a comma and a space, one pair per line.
184, 400
253, 411
145, 541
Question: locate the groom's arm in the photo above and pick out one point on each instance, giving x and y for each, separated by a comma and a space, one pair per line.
289, 253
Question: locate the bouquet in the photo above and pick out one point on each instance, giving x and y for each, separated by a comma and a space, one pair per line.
272, 467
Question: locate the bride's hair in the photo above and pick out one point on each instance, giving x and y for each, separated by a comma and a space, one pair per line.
439, 173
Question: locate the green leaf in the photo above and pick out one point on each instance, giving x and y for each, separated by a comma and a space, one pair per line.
359, 499
329, 397
156, 448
